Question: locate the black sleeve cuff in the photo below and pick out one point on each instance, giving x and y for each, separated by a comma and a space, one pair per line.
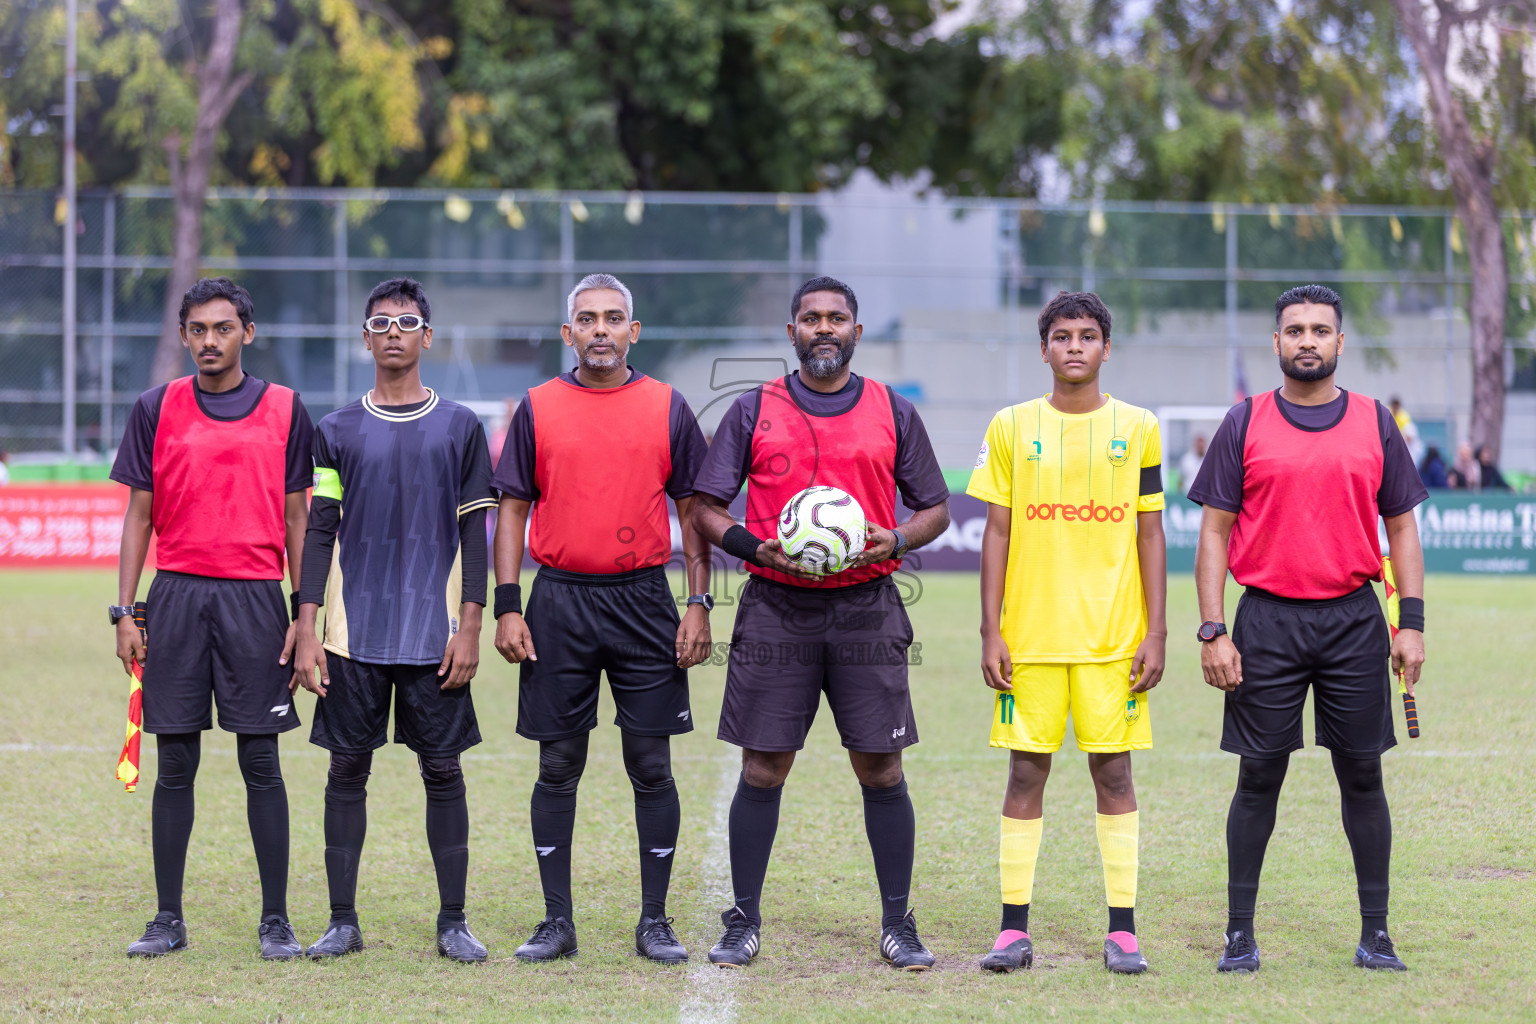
509, 599
741, 543
293, 606
1410, 613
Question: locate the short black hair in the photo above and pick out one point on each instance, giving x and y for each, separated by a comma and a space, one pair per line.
1311, 294
206, 289
1074, 306
403, 288
823, 284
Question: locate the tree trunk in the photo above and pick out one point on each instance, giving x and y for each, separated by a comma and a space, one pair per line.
217, 90
1470, 163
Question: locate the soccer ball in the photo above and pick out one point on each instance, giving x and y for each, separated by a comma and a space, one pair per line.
822, 529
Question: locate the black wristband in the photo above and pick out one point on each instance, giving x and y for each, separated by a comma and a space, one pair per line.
293, 606
742, 543
1410, 613
509, 598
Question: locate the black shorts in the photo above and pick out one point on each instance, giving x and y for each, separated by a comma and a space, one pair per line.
792, 643
216, 639
1338, 648
624, 624
353, 716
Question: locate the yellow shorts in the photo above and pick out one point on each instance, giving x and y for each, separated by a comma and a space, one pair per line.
1106, 717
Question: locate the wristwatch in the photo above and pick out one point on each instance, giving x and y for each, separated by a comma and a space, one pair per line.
1210, 631
706, 599
119, 611
901, 545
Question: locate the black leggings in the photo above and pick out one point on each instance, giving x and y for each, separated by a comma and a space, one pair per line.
648, 762
174, 811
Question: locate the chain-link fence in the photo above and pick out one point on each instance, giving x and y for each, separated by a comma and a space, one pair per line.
948, 289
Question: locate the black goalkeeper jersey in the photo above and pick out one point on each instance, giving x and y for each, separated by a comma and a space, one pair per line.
403, 477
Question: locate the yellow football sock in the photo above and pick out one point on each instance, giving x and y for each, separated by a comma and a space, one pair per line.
1016, 857
1119, 837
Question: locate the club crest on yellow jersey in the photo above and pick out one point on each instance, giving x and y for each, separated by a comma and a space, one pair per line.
1119, 451
1132, 710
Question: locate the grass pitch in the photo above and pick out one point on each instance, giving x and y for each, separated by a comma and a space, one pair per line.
78, 884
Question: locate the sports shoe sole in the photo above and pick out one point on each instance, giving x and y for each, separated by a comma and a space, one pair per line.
545, 959
909, 967
1009, 968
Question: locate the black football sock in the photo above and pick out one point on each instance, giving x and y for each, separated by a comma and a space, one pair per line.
552, 814
266, 811
754, 822
1368, 824
648, 760
1250, 821
892, 830
171, 814
447, 833
346, 826
1122, 919
1015, 917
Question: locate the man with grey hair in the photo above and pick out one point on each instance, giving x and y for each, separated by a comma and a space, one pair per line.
597, 282
598, 527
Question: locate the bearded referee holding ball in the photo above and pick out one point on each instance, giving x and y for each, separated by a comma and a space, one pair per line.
797, 636
217, 465
601, 602
1293, 484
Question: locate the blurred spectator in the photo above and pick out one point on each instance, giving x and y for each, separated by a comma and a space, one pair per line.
1406, 427
1432, 469
1465, 474
1492, 479
1189, 463
5, 469
498, 435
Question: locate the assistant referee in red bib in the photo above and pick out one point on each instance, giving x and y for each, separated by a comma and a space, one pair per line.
1293, 485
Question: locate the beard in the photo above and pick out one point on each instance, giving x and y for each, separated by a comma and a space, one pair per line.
823, 367
596, 363
1323, 370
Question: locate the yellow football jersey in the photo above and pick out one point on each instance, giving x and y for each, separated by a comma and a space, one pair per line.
1075, 483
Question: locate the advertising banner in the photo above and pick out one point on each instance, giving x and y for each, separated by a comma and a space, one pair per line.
70, 526
80, 525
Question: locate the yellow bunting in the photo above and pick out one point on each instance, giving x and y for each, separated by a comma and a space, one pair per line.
579, 211
1274, 216
1456, 236
1219, 219
1096, 226
634, 208
507, 206
457, 209
1397, 228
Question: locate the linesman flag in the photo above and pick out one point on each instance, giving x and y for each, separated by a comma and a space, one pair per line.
1394, 609
128, 760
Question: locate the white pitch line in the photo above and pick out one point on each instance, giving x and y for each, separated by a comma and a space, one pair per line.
711, 995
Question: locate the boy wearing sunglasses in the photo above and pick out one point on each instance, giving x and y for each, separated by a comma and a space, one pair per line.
396, 544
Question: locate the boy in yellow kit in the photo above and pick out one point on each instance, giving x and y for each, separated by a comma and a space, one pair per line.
1073, 589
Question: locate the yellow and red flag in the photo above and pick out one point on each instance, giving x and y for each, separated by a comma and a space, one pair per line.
1394, 610
128, 760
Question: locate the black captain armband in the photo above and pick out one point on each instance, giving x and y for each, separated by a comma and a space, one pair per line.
1410, 613
742, 543
509, 598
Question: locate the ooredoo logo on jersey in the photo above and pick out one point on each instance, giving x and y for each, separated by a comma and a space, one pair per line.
1089, 513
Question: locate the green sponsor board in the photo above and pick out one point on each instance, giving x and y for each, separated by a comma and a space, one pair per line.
1467, 533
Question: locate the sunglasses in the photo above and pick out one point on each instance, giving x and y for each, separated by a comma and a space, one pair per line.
407, 322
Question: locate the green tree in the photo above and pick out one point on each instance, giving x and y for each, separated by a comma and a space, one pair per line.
764, 95
193, 94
